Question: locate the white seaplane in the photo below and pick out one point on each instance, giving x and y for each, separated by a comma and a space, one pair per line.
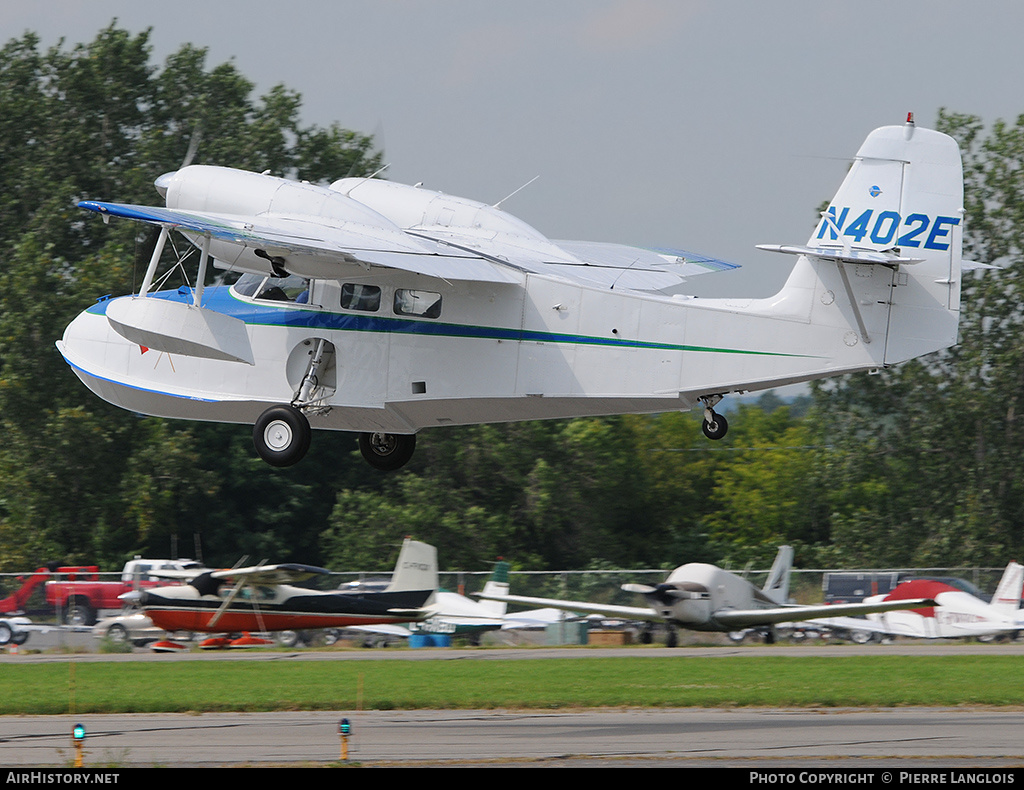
385, 309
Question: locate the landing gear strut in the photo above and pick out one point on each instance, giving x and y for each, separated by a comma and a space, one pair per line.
387, 451
715, 425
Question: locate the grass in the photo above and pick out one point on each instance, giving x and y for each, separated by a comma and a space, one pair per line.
677, 681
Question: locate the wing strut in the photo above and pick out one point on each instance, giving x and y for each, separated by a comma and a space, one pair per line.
204, 258
242, 581
165, 231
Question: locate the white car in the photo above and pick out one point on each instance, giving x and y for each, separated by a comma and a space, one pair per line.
128, 627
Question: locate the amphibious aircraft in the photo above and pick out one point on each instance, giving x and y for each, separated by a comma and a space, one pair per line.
385, 309
703, 597
956, 613
262, 598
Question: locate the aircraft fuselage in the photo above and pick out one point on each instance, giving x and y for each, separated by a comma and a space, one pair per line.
276, 608
489, 352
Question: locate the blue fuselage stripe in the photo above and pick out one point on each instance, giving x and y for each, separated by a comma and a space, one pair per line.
221, 300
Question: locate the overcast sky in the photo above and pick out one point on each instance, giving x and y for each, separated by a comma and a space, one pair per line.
702, 124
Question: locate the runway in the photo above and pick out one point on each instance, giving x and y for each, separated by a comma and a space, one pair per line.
763, 739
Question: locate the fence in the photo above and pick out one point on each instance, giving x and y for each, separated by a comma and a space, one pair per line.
599, 586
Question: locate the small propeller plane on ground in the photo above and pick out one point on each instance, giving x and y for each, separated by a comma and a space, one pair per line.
956, 614
452, 614
703, 597
385, 309
261, 598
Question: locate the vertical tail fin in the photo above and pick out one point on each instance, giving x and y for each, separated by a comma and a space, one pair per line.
496, 585
1009, 589
887, 251
903, 197
416, 568
777, 585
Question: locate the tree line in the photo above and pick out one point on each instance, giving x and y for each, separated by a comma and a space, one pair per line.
922, 464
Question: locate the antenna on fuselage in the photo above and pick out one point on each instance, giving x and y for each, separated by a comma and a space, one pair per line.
362, 181
524, 186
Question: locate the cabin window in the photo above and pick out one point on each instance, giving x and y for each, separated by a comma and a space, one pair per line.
425, 304
360, 297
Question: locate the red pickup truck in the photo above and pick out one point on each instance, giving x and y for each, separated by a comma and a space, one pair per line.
80, 596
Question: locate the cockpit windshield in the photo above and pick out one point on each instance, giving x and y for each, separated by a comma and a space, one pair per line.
276, 289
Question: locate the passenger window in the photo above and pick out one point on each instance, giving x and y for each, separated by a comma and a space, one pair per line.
425, 304
360, 297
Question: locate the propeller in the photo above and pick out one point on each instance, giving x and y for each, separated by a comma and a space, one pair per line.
665, 592
163, 181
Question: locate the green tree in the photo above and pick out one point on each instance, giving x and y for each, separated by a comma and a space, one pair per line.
929, 456
81, 480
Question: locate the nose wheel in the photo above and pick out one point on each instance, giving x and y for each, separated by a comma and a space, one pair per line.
281, 435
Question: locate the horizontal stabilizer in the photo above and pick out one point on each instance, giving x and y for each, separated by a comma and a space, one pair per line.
177, 328
973, 266
844, 256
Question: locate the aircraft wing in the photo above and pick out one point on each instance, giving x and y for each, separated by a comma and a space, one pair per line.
309, 246
745, 618
535, 618
286, 573
185, 574
382, 628
640, 268
625, 612
602, 264
315, 249
900, 628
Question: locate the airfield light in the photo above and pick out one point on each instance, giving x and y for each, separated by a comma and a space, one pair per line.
77, 739
344, 730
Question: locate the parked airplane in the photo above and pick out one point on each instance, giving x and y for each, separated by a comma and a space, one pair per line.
956, 613
703, 597
385, 309
452, 614
262, 598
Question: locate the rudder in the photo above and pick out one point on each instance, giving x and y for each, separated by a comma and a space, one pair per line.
777, 585
1008, 591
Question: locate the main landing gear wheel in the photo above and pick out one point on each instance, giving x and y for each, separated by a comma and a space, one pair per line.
282, 435
387, 451
716, 427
